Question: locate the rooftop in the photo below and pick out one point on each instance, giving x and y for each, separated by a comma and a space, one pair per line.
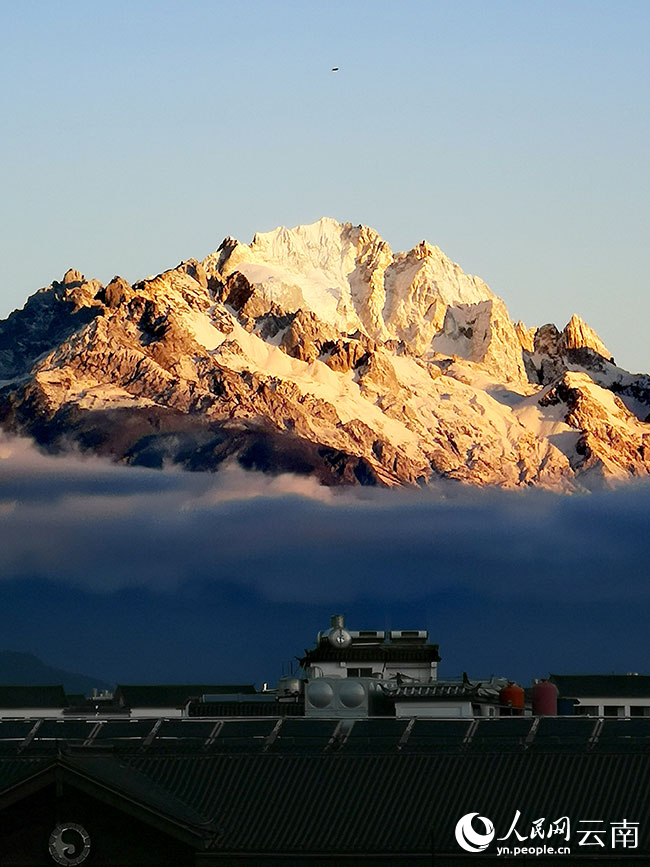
288, 734
381, 785
32, 697
602, 685
173, 695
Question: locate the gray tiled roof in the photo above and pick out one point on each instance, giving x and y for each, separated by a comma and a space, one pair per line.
386, 790
32, 697
602, 685
174, 695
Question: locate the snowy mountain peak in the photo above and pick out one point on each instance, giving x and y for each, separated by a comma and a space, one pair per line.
318, 350
349, 277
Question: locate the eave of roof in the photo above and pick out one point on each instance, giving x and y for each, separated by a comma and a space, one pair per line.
371, 652
430, 690
109, 779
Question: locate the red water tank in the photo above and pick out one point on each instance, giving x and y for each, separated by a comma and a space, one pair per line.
544, 698
511, 699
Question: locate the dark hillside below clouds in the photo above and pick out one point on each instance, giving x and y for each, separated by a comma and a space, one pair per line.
25, 669
171, 576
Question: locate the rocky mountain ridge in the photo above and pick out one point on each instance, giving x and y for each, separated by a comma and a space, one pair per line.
318, 350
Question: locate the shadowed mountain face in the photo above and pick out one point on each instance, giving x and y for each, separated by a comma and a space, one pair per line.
25, 669
319, 351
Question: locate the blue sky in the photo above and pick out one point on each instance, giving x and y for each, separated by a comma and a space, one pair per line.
513, 135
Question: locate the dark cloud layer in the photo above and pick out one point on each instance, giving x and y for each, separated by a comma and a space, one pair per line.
485, 569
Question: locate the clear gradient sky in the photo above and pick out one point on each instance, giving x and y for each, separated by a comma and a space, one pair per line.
515, 135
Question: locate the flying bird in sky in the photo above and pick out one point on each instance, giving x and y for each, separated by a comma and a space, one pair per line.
335, 69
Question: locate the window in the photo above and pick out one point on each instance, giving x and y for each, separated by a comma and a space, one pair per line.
359, 672
613, 710
586, 710
639, 710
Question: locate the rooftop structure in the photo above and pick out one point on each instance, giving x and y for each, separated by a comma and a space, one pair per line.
170, 699
263, 792
368, 759
368, 673
32, 700
340, 652
618, 695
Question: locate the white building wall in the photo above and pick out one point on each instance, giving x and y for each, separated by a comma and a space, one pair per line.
166, 712
416, 670
30, 712
624, 704
433, 709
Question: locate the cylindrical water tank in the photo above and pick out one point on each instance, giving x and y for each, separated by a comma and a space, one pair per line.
544, 698
319, 694
511, 699
338, 636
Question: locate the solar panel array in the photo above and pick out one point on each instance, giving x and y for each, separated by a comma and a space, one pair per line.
510, 734
304, 735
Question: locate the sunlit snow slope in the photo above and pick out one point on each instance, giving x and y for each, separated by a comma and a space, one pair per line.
318, 350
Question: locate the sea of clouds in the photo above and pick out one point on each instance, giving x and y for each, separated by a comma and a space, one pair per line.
102, 527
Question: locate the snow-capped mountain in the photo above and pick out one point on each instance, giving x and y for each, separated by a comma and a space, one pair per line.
319, 350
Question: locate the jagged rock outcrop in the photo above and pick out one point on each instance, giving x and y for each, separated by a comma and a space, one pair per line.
115, 293
483, 333
578, 335
318, 350
611, 442
554, 352
525, 336
48, 317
